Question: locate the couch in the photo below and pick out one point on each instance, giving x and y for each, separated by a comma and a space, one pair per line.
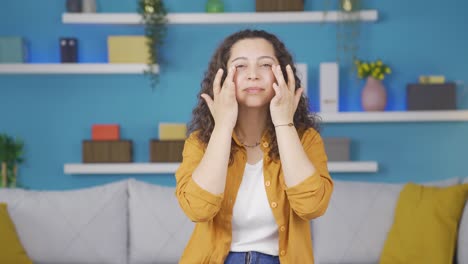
132, 221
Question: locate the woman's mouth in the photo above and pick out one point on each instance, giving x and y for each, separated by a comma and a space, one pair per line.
253, 90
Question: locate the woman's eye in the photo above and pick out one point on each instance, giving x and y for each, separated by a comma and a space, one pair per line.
266, 65
239, 66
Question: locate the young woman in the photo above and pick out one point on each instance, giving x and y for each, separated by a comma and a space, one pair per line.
254, 169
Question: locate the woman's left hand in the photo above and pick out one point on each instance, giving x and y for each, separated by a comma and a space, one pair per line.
284, 103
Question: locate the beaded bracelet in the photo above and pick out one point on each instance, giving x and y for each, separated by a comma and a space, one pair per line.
289, 124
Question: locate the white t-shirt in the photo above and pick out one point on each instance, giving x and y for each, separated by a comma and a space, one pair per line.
253, 225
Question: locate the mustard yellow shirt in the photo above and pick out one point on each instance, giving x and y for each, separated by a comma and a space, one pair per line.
292, 207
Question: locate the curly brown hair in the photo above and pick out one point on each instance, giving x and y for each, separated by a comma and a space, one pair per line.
202, 120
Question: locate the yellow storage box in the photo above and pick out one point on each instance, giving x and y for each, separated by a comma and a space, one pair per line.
127, 49
172, 131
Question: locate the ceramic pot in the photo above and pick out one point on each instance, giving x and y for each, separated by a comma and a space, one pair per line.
374, 95
73, 6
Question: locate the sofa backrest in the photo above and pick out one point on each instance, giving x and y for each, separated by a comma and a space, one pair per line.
158, 228
355, 225
80, 226
136, 222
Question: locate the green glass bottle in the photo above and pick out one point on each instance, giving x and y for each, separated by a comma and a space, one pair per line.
214, 6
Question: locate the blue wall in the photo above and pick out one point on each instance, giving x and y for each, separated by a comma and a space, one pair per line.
54, 113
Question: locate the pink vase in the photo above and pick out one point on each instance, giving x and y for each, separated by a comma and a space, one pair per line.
374, 95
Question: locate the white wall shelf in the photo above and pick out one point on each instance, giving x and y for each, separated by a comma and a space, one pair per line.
158, 168
352, 166
73, 68
224, 18
120, 168
395, 116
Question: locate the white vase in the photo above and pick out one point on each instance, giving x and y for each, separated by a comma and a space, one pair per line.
88, 6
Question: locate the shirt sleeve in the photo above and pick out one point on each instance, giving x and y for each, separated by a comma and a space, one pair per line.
309, 199
197, 203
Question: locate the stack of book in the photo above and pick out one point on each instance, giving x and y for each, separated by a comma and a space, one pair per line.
169, 146
431, 93
106, 146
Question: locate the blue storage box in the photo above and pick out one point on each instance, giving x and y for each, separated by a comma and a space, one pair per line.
13, 50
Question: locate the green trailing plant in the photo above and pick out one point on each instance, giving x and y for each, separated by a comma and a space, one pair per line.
153, 13
326, 8
11, 153
347, 29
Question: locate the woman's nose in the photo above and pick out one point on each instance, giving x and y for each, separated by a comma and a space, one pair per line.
252, 73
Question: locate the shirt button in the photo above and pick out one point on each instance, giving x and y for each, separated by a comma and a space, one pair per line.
265, 144
274, 205
283, 252
267, 183
282, 228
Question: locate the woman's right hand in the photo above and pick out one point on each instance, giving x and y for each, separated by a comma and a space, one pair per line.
223, 106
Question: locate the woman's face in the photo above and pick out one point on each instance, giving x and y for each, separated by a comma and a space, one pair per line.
254, 78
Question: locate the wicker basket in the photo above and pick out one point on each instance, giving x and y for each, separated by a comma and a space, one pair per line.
279, 5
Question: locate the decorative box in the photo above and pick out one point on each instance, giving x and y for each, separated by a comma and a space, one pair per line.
13, 50
279, 5
105, 132
337, 149
127, 49
172, 131
166, 151
107, 151
431, 96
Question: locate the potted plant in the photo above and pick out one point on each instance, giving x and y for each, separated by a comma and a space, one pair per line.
374, 95
11, 155
347, 28
153, 15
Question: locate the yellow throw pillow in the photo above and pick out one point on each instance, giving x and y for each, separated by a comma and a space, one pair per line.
11, 250
425, 226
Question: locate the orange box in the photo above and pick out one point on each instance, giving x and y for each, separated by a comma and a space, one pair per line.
105, 132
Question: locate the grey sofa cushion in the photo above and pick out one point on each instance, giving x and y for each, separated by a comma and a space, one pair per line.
78, 226
355, 226
159, 230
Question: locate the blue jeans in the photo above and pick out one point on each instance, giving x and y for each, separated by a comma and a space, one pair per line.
251, 257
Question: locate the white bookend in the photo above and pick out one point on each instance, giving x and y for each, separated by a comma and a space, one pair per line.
329, 87
301, 71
